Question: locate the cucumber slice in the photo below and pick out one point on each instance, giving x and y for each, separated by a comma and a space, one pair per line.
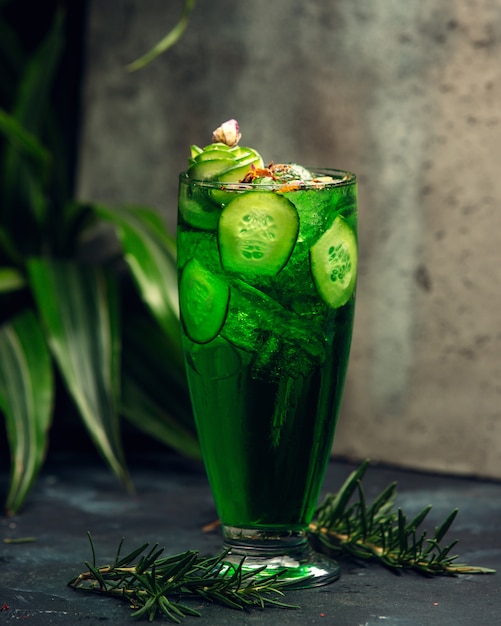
236, 172
256, 233
203, 299
240, 151
197, 209
247, 153
205, 170
334, 263
218, 145
194, 150
233, 174
213, 153
221, 196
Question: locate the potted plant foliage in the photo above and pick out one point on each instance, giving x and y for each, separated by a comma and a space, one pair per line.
103, 333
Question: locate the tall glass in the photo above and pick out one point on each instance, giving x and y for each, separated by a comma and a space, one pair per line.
267, 287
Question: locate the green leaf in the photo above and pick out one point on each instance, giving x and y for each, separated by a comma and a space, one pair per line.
11, 279
25, 142
168, 41
155, 392
22, 186
8, 246
26, 399
11, 51
414, 524
11, 55
334, 506
151, 418
149, 356
27, 166
443, 529
36, 83
79, 307
149, 250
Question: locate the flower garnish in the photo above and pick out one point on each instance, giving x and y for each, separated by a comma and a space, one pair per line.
227, 133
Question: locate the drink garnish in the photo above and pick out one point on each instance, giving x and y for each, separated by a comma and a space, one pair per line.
228, 133
257, 232
225, 161
334, 263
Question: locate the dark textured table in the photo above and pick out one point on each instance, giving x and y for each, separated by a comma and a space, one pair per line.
76, 494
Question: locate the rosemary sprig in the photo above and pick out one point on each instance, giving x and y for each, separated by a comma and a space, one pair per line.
344, 526
159, 585
380, 533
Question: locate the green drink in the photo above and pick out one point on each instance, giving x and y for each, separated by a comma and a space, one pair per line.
267, 279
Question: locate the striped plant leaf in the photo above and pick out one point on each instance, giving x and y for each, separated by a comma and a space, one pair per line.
11, 279
167, 41
150, 252
155, 394
8, 247
21, 185
152, 418
38, 78
25, 143
79, 308
146, 355
26, 400
11, 54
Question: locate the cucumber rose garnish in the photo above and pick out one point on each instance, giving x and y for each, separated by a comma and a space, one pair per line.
223, 160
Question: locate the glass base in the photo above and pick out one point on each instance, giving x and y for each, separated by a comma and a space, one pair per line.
286, 552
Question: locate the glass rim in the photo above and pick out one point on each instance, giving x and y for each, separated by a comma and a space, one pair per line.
340, 178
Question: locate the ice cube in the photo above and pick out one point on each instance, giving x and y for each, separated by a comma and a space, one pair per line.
282, 341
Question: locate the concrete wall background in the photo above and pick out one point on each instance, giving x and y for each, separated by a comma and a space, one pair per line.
405, 94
